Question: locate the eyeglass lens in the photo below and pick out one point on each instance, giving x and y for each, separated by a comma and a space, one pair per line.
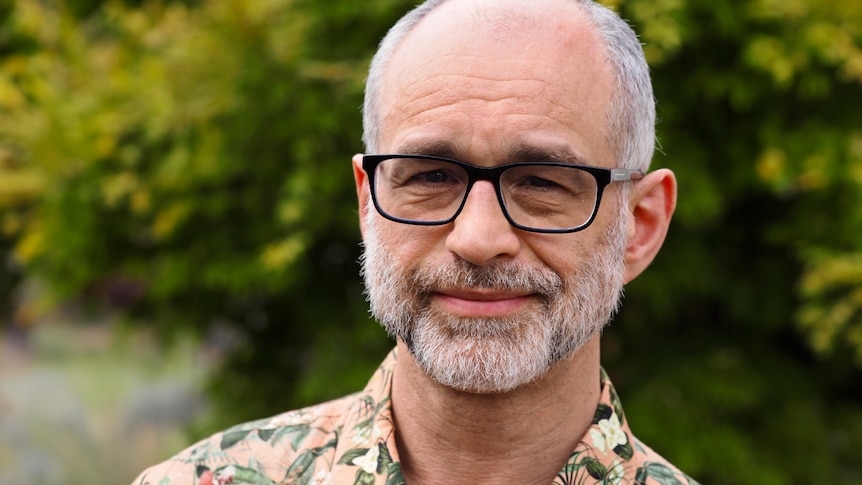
534, 196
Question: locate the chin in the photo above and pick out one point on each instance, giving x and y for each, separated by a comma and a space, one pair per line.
482, 366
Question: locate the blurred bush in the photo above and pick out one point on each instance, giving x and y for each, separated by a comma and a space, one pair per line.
187, 165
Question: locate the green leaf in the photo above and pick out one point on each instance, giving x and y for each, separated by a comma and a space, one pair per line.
617, 405
385, 458
230, 438
363, 478
300, 431
624, 451
329, 445
301, 470
266, 433
595, 468
603, 411
394, 474
658, 472
352, 454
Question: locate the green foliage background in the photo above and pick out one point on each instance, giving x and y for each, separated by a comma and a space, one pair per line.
186, 164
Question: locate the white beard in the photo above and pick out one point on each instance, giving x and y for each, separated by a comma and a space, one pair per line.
493, 354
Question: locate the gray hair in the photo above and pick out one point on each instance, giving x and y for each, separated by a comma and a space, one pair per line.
631, 119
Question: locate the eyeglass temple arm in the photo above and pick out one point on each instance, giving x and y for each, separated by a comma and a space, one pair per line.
623, 174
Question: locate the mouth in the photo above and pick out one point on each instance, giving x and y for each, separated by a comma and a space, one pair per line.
483, 303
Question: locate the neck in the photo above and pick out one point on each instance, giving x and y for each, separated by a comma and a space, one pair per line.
521, 436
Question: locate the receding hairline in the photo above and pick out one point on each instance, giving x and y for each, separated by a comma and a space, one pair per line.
505, 19
631, 118
508, 12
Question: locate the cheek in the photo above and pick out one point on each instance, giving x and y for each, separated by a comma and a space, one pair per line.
603, 236
562, 253
411, 246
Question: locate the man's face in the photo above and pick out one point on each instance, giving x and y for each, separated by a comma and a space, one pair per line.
482, 306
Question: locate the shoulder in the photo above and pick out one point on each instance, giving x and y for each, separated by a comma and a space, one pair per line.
262, 451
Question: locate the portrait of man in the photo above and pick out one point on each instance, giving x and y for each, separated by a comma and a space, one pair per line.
504, 199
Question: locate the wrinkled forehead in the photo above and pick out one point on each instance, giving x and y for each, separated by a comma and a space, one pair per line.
495, 51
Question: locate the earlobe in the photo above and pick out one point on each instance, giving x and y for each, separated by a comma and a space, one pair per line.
651, 204
362, 190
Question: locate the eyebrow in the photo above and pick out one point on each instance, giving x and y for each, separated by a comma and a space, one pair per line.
515, 152
439, 148
520, 152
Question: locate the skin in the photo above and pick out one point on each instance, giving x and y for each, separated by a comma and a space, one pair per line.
478, 81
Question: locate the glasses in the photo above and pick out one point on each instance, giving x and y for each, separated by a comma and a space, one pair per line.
548, 197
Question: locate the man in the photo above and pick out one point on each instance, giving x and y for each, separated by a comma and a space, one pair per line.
497, 240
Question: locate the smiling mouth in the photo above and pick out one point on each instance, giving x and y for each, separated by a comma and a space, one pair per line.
487, 304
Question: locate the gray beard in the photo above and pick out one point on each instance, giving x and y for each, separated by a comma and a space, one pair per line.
487, 355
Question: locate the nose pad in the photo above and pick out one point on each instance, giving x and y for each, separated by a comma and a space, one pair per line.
481, 233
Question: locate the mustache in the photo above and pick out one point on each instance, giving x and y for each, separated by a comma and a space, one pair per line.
500, 276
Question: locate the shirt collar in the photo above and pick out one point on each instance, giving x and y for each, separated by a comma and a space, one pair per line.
367, 453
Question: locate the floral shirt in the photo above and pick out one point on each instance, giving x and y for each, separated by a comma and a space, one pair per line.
352, 441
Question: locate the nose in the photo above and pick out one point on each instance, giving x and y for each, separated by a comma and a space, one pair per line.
481, 233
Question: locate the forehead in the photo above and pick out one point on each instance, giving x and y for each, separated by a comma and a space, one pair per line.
507, 72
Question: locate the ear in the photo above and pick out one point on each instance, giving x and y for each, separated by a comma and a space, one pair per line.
651, 204
362, 190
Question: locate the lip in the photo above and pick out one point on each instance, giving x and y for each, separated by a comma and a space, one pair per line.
477, 303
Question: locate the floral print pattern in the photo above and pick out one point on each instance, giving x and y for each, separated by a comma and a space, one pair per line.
352, 441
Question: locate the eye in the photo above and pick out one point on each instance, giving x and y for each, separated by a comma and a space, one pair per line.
431, 177
538, 182
427, 173
548, 181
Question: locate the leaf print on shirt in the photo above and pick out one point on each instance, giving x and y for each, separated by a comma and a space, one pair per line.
373, 461
302, 469
352, 440
608, 434
661, 474
368, 461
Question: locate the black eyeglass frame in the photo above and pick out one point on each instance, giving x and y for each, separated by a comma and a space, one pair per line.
603, 176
